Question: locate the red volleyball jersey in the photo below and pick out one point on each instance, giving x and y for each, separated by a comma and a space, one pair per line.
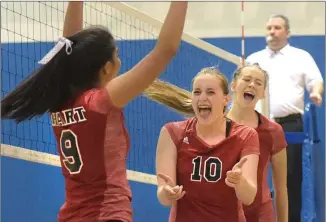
201, 169
93, 144
271, 140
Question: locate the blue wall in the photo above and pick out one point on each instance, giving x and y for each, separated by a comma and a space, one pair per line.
37, 191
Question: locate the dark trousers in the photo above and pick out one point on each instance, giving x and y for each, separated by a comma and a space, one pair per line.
293, 123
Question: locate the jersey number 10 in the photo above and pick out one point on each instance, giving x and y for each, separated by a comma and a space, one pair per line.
212, 169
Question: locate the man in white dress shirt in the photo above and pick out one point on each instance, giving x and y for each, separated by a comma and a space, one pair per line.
291, 71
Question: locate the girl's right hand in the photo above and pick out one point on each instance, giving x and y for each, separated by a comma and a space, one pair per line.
170, 190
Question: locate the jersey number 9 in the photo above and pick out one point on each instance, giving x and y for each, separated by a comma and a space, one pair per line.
70, 152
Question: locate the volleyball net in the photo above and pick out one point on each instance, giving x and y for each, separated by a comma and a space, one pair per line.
30, 29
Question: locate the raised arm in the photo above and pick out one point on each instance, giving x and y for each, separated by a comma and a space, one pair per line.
73, 19
166, 160
126, 87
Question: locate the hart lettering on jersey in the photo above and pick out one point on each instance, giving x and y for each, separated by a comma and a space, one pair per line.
68, 117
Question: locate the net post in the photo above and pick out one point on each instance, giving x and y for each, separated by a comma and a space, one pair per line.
265, 105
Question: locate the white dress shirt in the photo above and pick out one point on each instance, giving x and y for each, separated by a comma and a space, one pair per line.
289, 70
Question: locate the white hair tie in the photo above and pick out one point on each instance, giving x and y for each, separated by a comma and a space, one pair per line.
60, 44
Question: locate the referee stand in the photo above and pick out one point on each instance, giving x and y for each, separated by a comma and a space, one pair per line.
313, 189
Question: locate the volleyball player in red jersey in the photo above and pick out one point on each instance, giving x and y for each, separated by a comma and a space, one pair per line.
78, 84
207, 165
248, 86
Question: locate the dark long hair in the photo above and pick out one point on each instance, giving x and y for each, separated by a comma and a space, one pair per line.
50, 86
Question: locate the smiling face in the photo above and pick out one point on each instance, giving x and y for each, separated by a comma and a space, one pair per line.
248, 86
209, 96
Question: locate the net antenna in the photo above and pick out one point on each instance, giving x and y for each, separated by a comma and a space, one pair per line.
242, 34
263, 105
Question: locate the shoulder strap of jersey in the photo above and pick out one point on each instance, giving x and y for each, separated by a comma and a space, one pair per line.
228, 127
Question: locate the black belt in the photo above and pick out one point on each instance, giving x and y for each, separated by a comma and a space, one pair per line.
289, 118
